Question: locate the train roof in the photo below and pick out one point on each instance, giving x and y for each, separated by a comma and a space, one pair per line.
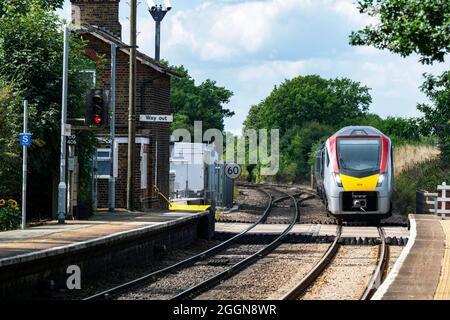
358, 131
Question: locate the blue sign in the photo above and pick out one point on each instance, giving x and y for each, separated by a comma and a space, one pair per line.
25, 139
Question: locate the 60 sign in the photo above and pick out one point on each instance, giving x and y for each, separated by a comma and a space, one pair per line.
232, 171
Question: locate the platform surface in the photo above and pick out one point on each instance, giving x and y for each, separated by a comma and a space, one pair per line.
418, 275
52, 238
314, 230
443, 289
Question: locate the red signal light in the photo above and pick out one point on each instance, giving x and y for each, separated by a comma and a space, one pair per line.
97, 120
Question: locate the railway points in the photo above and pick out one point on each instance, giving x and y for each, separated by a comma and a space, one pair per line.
320, 256
201, 271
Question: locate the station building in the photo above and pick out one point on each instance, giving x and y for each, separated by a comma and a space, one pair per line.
100, 19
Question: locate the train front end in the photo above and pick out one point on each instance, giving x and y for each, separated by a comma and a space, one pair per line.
358, 175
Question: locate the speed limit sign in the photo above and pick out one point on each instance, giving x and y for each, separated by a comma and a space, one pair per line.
232, 171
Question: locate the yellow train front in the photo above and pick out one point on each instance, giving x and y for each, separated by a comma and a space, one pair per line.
354, 174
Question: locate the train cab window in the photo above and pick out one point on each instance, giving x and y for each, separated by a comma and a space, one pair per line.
359, 154
328, 158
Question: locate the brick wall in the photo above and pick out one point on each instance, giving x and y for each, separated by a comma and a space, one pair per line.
156, 101
101, 13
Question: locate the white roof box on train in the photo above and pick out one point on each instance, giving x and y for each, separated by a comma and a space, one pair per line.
358, 131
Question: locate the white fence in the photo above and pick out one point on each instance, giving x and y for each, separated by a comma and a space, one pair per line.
444, 200
438, 202
431, 203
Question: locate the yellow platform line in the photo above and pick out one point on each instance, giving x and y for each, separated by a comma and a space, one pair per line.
443, 289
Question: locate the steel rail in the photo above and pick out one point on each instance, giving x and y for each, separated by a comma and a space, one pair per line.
234, 269
317, 270
380, 269
190, 260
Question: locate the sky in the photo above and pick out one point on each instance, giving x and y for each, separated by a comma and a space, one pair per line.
249, 46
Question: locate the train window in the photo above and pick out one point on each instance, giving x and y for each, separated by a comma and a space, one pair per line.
328, 158
361, 154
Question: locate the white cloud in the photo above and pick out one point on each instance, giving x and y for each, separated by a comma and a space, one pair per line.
249, 46
348, 9
220, 30
271, 72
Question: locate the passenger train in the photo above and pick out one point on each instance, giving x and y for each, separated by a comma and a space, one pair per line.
354, 174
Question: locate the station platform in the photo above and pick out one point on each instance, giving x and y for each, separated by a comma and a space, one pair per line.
422, 271
99, 244
314, 230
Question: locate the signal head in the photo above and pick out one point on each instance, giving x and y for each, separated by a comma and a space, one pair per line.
97, 120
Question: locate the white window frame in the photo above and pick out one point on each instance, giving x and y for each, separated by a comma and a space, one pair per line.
94, 75
144, 171
103, 159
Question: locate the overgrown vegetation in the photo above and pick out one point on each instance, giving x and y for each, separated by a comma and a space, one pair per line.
308, 109
409, 27
423, 176
192, 102
31, 49
9, 215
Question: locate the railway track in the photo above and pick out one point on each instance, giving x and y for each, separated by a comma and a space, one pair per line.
373, 284
317, 214
217, 256
203, 285
380, 269
317, 270
244, 214
234, 269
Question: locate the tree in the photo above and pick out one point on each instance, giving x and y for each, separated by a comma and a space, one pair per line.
421, 27
310, 98
31, 52
296, 146
437, 116
406, 27
22, 6
204, 102
9, 150
400, 130
306, 110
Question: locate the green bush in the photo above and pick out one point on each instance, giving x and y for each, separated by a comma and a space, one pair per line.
9, 218
423, 176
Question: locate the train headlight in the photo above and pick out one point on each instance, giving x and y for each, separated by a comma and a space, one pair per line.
338, 179
380, 180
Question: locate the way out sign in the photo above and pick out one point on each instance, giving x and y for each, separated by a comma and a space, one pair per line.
156, 118
25, 139
232, 171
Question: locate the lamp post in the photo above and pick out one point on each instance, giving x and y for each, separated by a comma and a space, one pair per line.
62, 187
158, 13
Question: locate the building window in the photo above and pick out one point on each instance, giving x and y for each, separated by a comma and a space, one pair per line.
103, 164
144, 165
144, 171
89, 76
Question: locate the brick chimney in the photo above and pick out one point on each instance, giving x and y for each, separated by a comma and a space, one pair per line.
101, 13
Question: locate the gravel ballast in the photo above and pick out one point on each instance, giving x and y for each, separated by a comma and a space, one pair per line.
174, 283
272, 276
347, 276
